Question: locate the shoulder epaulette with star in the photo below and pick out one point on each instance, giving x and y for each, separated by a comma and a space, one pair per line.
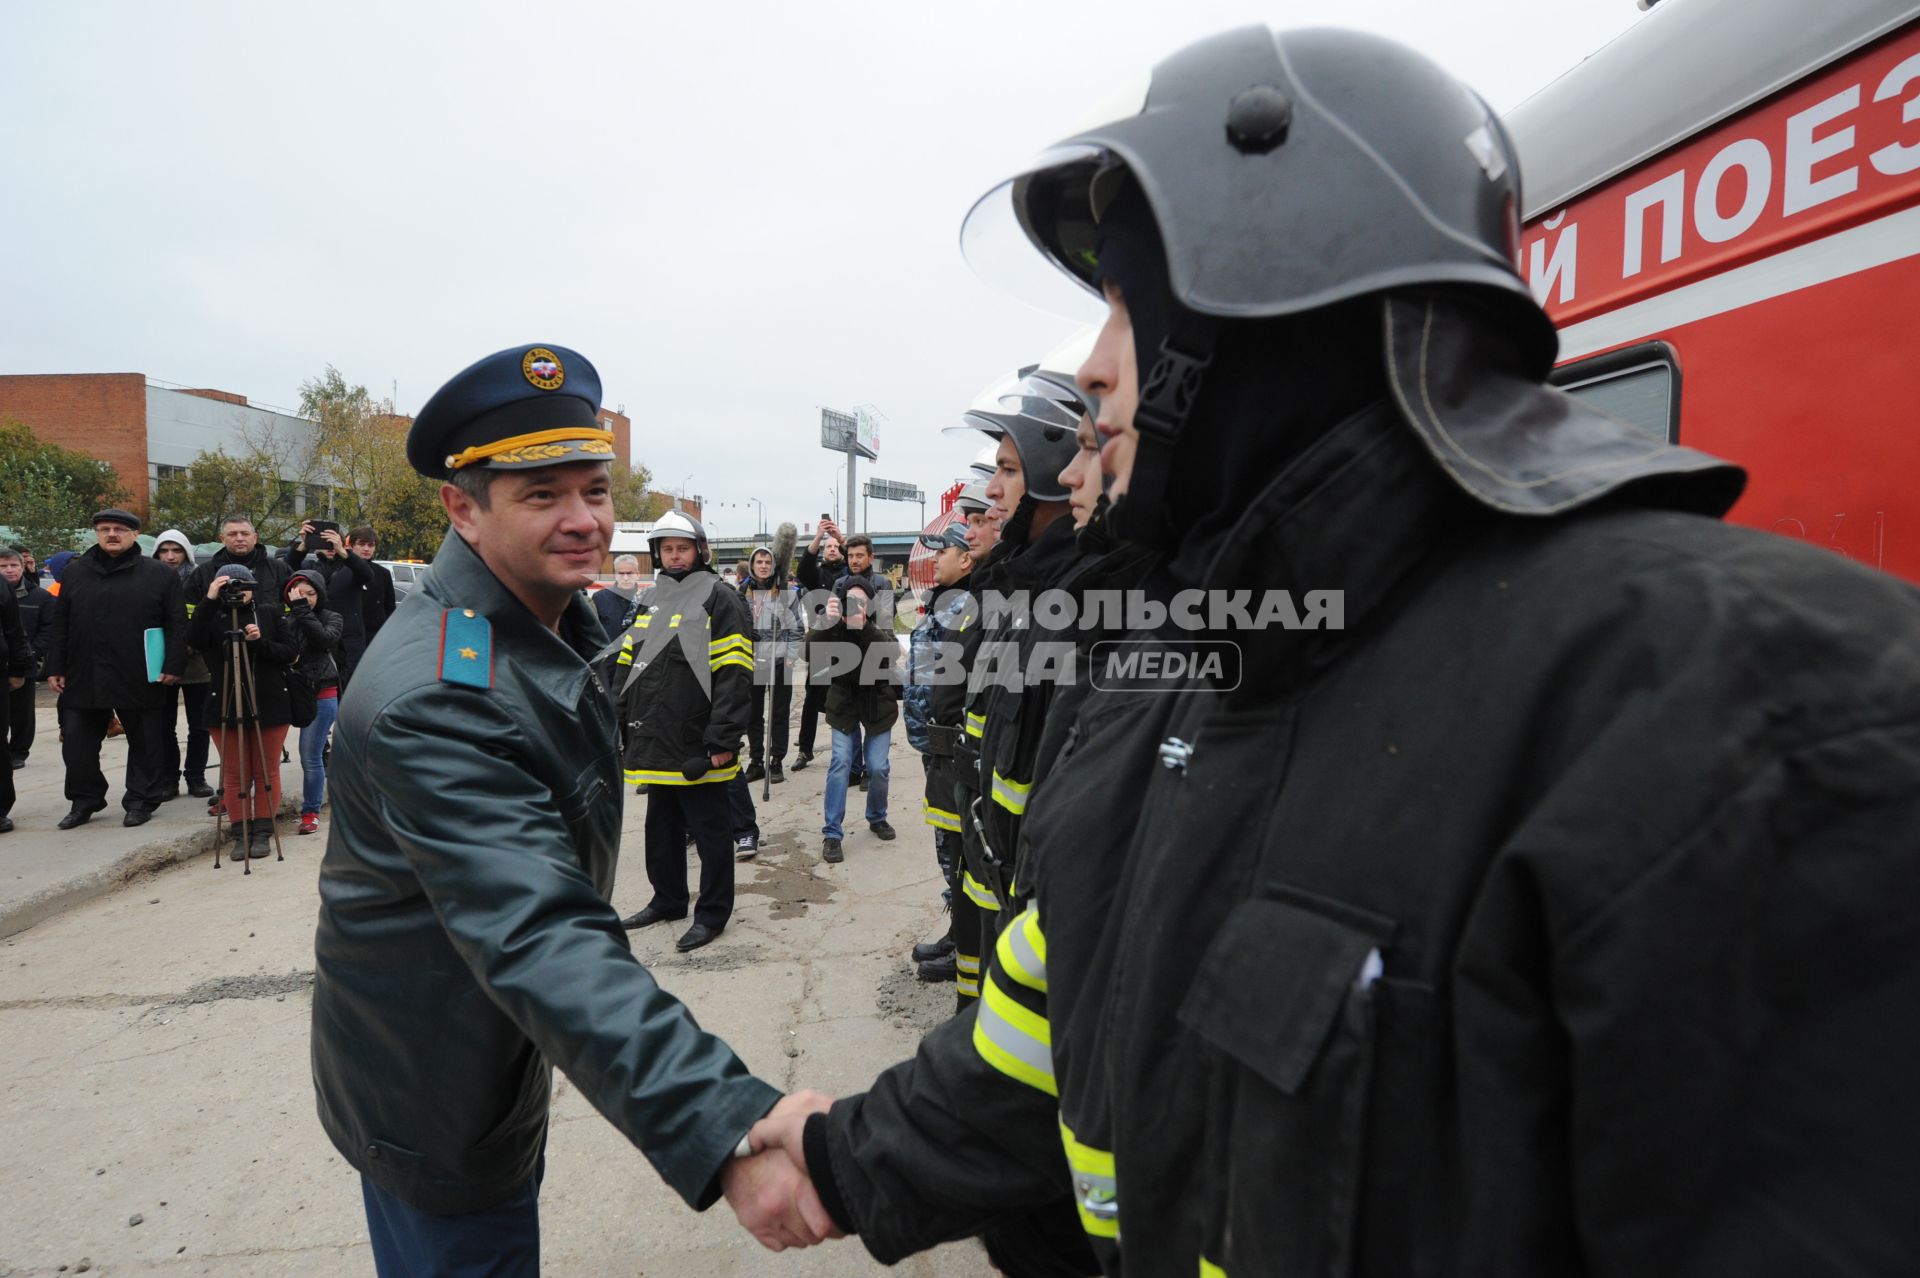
466, 648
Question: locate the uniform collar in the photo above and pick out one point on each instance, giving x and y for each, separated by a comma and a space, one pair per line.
461, 579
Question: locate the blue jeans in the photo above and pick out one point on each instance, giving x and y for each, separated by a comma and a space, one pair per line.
842, 767
313, 753
501, 1241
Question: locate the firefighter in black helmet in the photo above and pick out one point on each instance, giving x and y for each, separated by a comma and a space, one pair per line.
1004, 709
1551, 914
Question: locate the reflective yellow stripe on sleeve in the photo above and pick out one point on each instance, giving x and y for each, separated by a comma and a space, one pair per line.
645, 776
1022, 951
940, 818
1013, 1039
1011, 794
1210, 1270
976, 724
730, 650
1096, 1192
977, 892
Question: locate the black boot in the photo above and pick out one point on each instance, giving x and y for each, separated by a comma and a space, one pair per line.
927, 951
755, 771
260, 839
945, 968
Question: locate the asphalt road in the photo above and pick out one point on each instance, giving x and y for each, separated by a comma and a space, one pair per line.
158, 1114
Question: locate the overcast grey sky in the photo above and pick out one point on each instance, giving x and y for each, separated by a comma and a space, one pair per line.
738, 212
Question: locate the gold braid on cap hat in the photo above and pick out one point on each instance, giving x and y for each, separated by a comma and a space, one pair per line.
541, 445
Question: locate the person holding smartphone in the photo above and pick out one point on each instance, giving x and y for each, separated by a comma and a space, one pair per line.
348, 577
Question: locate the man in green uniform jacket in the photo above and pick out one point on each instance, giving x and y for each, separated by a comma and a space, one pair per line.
466, 943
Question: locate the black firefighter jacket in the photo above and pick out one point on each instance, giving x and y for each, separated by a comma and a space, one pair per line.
466, 944
675, 720
1553, 919
1011, 681
100, 619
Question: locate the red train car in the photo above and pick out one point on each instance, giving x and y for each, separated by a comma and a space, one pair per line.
1724, 222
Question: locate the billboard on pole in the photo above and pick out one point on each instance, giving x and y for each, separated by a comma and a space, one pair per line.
854, 432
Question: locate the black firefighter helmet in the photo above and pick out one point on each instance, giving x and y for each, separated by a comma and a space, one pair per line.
1288, 171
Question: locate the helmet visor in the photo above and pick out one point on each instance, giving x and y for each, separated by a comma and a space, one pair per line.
1033, 236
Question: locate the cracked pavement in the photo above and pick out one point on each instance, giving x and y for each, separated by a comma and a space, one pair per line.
153, 1061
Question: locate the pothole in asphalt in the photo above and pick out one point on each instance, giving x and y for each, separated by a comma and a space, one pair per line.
911, 1003
787, 880
256, 985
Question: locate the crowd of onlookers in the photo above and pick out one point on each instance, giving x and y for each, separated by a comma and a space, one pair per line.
214, 660
251, 644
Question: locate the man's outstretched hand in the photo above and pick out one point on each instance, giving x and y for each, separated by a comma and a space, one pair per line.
770, 1191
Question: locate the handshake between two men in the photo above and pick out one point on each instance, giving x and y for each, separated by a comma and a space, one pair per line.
770, 1191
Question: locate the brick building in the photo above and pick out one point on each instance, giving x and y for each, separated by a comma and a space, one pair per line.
144, 427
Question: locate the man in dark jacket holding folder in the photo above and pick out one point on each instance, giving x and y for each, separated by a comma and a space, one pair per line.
102, 658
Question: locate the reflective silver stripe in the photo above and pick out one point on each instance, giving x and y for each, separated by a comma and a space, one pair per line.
1013, 1039
977, 892
1096, 1190
1011, 794
1022, 960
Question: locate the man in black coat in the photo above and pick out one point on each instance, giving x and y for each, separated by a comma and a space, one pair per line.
111, 597
16, 656
612, 603
821, 565
239, 544
36, 621
348, 578
377, 601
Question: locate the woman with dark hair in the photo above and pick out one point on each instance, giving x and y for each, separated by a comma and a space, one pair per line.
316, 634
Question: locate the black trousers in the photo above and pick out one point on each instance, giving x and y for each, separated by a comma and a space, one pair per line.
811, 708
20, 720
742, 819
199, 740
672, 810
781, 691
82, 729
6, 766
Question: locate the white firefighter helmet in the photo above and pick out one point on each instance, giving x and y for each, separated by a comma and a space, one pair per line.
677, 523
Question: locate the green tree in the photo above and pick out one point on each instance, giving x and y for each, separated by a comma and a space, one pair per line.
48, 494
350, 431
631, 501
404, 506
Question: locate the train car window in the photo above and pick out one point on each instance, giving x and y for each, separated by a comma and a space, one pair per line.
1639, 385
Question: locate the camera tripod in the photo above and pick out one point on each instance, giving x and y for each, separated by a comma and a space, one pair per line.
240, 710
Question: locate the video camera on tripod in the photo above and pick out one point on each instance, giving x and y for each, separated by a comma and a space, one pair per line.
240, 706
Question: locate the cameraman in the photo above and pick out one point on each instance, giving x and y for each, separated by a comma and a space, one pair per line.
347, 577
316, 634
229, 612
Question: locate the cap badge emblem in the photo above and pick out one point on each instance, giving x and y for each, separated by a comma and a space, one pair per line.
542, 368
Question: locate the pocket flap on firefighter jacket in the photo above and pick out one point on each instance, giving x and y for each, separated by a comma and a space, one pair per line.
1272, 984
